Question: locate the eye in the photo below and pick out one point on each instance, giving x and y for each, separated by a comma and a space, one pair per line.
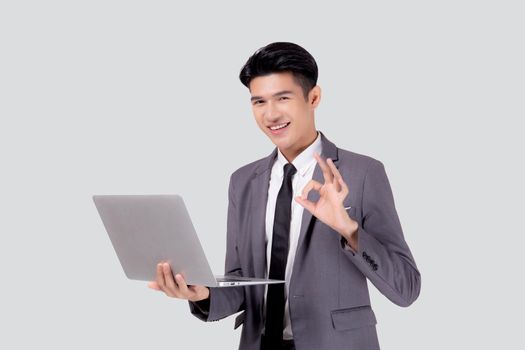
257, 102
284, 98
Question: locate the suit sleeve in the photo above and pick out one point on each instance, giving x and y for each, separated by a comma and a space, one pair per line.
225, 301
383, 256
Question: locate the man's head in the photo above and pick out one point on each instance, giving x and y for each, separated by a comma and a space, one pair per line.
282, 79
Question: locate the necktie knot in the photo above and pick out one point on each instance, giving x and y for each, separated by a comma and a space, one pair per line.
289, 170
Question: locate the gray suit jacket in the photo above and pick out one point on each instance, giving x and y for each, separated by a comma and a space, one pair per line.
328, 294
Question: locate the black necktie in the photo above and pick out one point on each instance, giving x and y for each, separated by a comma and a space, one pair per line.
281, 232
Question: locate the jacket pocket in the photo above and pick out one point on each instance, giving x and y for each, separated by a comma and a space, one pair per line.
239, 320
355, 317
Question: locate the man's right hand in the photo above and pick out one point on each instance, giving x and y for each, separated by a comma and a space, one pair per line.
177, 288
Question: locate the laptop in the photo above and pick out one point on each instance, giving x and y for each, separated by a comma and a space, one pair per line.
147, 229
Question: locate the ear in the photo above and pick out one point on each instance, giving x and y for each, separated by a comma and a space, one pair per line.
314, 96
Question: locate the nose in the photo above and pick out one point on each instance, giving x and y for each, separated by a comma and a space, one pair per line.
271, 113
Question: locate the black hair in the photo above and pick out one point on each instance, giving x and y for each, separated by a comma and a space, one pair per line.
282, 57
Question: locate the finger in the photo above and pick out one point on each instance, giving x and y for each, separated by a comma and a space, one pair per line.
308, 205
327, 174
160, 277
312, 184
183, 287
335, 172
154, 285
344, 188
170, 282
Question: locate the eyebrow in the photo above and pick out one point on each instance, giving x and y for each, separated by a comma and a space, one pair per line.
284, 92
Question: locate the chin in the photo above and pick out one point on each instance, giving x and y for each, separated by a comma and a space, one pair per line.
282, 144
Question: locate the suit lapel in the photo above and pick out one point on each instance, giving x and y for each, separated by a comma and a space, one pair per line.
329, 151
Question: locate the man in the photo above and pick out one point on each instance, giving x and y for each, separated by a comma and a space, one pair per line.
340, 228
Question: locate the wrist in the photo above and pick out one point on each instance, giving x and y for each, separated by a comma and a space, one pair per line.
349, 233
202, 296
349, 230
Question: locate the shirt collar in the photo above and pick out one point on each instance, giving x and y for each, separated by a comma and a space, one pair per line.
304, 160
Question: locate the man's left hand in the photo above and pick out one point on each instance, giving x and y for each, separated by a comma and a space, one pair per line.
329, 208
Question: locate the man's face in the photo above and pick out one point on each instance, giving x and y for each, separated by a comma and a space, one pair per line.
282, 113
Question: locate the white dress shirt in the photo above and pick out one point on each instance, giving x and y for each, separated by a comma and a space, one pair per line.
305, 165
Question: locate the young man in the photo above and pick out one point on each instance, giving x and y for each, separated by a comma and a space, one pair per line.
320, 217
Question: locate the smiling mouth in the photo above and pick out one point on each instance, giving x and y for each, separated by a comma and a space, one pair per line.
278, 127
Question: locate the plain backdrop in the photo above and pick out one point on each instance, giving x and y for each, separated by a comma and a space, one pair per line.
142, 97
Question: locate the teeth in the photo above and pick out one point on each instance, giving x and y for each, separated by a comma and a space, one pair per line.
277, 127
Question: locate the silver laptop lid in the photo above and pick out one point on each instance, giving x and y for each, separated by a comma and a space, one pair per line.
147, 229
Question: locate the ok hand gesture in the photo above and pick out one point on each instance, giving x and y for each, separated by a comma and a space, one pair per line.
329, 208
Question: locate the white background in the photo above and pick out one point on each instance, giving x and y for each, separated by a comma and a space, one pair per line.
134, 97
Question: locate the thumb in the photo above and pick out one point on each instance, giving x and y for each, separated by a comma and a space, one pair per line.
153, 285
